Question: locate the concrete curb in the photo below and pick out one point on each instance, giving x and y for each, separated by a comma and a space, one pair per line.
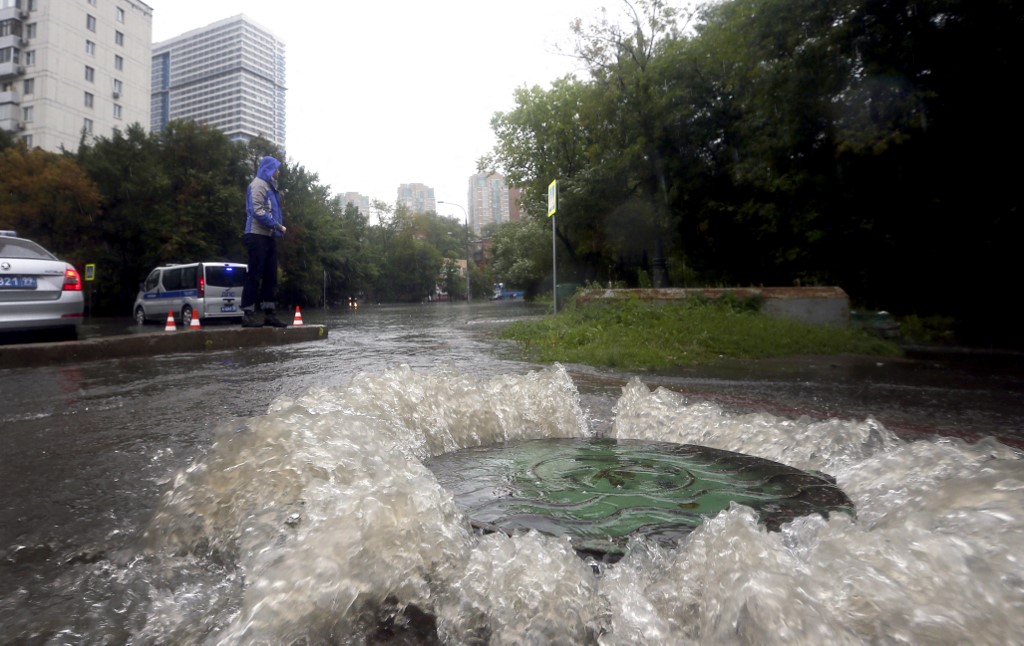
149, 344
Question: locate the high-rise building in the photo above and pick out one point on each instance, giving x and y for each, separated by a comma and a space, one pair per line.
73, 69
489, 201
418, 198
230, 75
361, 202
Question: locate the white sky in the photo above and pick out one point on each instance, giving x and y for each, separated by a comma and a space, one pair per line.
384, 93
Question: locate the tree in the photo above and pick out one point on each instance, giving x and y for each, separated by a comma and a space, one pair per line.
521, 255
49, 199
138, 227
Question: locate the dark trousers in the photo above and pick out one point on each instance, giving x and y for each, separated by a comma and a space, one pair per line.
261, 277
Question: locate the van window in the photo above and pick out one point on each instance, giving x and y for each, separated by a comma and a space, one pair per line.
225, 276
172, 279
152, 280
188, 277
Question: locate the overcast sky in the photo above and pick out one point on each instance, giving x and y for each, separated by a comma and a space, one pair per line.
387, 93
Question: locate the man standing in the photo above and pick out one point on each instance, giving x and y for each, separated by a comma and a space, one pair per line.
264, 223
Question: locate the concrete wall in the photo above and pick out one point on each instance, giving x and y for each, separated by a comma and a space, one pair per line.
816, 305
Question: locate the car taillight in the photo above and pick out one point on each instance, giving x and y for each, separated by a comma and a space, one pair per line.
202, 287
72, 281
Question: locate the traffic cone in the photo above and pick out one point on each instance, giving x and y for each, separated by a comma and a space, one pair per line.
298, 317
194, 325
169, 327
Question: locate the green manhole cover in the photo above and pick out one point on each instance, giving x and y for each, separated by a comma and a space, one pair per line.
599, 492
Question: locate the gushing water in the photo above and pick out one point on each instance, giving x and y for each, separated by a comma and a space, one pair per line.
318, 522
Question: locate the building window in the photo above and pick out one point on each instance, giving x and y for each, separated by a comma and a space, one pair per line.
87, 125
117, 110
92, 2
118, 62
27, 113
9, 55
90, 48
90, 74
90, 22
31, 5
119, 38
118, 88
28, 141
30, 58
30, 86
120, 14
30, 30
88, 99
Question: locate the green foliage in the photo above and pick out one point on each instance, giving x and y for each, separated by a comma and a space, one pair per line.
520, 255
841, 142
636, 334
47, 198
938, 330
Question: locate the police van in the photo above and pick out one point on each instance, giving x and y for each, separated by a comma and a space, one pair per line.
211, 290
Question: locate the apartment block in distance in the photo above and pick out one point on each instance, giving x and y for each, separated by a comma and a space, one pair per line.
229, 75
70, 68
360, 201
418, 198
491, 201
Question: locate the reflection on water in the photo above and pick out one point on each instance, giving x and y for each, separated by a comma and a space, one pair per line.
301, 511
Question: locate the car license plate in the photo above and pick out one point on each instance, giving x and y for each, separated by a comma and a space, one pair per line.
17, 282
229, 308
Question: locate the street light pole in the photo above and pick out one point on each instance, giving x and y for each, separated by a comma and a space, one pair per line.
469, 293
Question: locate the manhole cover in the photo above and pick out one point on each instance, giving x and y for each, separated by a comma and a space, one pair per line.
600, 492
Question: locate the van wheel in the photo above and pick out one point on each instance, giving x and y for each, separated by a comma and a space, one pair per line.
140, 316
186, 316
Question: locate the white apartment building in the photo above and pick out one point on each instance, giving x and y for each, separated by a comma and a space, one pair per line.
230, 75
418, 198
70, 68
488, 201
361, 202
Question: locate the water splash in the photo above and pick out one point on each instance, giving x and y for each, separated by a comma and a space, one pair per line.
319, 522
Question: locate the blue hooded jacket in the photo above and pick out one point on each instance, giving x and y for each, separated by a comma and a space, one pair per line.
262, 204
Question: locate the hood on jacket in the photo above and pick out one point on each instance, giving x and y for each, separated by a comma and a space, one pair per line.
267, 167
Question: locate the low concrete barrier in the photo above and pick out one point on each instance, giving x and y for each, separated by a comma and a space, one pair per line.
154, 343
817, 305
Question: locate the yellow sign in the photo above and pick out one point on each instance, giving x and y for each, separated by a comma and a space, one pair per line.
552, 197
90, 271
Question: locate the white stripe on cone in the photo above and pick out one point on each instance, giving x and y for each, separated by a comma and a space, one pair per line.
298, 317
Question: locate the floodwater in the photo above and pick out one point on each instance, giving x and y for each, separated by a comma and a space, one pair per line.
279, 496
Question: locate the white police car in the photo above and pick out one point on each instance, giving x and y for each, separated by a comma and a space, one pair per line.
213, 290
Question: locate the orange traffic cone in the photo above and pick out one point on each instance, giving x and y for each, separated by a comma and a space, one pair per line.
169, 327
194, 325
298, 317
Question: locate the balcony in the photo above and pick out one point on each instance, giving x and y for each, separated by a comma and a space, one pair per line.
11, 97
10, 70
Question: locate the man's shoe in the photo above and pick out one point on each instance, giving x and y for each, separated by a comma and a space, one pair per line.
248, 320
271, 319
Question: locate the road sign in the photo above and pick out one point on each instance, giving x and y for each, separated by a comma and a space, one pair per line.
552, 197
90, 271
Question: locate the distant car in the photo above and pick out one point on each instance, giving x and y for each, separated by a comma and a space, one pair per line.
38, 291
211, 290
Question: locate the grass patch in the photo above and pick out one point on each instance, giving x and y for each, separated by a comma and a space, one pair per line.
634, 334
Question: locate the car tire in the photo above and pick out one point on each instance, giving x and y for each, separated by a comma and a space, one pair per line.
186, 316
140, 316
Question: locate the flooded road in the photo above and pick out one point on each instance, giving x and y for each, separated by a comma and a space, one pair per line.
278, 495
